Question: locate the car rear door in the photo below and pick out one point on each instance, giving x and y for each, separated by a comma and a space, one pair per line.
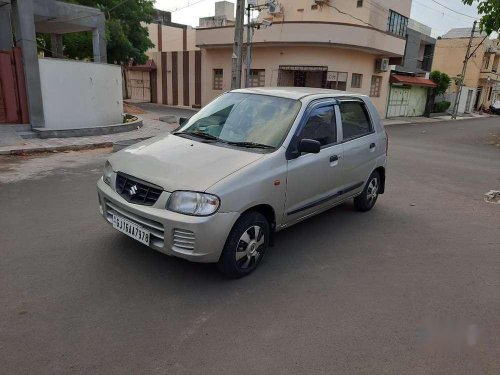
361, 143
313, 179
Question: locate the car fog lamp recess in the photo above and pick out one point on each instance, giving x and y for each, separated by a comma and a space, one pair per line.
107, 173
193, 203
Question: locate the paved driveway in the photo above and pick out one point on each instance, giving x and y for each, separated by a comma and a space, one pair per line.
412, 287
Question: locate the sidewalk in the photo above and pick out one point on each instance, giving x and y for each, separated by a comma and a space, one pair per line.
419, 120
152, 127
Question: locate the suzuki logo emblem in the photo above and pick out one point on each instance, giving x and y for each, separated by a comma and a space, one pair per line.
133, 190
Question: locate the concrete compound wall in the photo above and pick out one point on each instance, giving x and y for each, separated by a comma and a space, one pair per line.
80, 94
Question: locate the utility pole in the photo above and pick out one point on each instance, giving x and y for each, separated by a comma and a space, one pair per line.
249, 46
464, 69
237, 57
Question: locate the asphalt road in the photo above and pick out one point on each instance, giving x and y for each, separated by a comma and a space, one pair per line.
412, 287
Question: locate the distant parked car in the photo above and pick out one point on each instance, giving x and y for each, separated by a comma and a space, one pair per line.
250, 163
495, 107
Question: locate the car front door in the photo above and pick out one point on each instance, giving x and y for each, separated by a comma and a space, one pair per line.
313, 179
361, 143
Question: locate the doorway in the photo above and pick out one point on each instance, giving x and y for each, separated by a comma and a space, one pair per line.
302, 76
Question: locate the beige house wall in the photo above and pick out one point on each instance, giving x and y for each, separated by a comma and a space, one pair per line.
449, 56
172, 38
270, 58
374, 12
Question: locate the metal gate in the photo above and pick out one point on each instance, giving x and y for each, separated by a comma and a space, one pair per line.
139, 85
398, 102
13, 101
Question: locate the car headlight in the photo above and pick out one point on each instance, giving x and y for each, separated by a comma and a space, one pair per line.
107, 173
193, 203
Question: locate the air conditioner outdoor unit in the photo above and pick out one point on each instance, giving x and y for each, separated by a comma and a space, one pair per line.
274, 9
382, 65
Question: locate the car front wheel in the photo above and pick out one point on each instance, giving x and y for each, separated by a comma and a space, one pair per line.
245, 246
366, 200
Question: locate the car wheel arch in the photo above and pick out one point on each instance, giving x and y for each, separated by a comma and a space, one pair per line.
381, 172
269, 213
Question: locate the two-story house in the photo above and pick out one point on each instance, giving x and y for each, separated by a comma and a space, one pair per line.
482, 74
341, 44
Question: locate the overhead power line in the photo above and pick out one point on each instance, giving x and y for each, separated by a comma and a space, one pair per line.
453, 10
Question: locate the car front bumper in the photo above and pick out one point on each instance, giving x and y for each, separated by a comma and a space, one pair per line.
198, 239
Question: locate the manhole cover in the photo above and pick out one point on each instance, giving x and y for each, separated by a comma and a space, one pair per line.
493, 196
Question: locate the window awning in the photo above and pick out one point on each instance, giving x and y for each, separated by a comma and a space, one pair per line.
413, 81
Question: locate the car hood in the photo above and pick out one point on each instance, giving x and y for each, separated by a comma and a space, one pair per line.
177, 163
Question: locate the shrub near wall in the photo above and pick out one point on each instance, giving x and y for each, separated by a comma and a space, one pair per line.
441, 106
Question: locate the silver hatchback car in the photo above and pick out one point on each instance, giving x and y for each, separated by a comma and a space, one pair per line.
250, 163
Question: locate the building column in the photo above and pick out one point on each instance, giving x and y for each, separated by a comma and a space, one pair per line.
99, 41
56, 44
6, 41
25, 37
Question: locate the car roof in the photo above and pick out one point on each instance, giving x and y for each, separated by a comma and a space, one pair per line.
296, 93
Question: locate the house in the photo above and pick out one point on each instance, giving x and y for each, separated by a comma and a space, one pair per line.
343, 45
176, 78
55, 93
482, 72
409, 83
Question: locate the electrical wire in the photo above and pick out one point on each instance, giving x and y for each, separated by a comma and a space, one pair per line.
454, 11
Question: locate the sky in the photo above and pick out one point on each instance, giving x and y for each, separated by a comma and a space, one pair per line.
428, 12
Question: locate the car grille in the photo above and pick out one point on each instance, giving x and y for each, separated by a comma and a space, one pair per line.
155, 228
183, 240
136, 191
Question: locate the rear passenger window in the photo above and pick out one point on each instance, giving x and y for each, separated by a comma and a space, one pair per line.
320, 126
355, 120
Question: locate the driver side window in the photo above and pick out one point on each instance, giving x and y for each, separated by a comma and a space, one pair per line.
320, 126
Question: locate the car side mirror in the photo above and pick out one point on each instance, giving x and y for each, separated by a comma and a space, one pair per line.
183, 120
309, 146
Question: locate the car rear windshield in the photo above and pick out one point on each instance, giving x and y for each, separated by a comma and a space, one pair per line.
240, 118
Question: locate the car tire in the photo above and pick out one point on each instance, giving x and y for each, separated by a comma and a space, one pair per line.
245, 246
367, 199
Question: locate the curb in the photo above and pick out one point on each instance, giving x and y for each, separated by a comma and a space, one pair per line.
37, 150
45, 133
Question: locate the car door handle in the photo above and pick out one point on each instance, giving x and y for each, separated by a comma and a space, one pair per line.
372, 145
334, 158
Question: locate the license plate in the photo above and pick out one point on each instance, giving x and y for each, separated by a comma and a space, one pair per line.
131, 229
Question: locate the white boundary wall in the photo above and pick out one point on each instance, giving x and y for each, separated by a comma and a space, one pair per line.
80, 94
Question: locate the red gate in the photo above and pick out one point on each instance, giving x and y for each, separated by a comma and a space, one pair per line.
13, 102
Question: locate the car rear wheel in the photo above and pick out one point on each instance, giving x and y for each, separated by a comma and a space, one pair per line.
245, 246
366, 200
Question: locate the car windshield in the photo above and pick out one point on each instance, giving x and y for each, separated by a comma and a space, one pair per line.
249, 120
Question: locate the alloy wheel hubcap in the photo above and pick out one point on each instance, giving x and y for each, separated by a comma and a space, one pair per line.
249, 247
372, 191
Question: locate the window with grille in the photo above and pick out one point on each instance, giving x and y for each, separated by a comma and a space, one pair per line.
486, 62
397, 24
257, 78
337, 80
359, 3
375, 86
218, 79
356, 80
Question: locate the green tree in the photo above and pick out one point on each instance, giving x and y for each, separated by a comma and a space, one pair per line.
125, 36
442, 80
489, 10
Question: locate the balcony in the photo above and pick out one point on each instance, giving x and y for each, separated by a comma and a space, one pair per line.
358, 37
490, 76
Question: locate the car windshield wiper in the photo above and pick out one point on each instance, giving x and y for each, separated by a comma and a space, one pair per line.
249, 144
199, 134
